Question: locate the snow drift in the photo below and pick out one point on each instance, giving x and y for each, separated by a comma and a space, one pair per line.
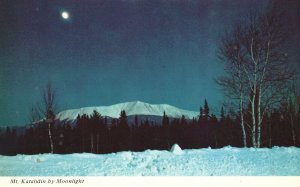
205, 162
175, 149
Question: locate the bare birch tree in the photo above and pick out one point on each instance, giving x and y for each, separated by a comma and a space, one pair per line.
35, 114
233, 81
292, 109
49, 104
263, 64
45, 110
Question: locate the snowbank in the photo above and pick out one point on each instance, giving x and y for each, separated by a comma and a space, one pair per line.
206, 162
175, 149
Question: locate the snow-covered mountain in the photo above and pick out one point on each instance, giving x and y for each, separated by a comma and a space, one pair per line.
131, 109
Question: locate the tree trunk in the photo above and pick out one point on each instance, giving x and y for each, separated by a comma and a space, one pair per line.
92, 143
50, 137
293, 129
242, 118
270, 134
98, 143
253, 119
259, 118
216, 141
83, 142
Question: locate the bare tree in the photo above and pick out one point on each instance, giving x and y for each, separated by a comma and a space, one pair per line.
49, 109
45, 110
35, 114
258, 63
233, 82
292, 109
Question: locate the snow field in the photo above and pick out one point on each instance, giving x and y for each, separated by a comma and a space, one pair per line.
227, 161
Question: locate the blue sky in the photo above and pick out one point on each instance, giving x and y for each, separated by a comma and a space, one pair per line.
114, 51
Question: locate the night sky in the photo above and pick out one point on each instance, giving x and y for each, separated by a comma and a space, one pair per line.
109, 52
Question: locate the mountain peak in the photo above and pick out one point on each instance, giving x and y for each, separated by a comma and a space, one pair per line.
131, 108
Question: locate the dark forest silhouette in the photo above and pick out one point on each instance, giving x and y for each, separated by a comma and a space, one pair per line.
93, 134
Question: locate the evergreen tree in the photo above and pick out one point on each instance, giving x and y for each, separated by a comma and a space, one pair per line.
213, 131
166, 130
123, 132
97, 129
201, 113
96, 116
222, 129
206, 110
123, 119
136, 121
113, 138
165, 120
9, 146
222, 115
183, 120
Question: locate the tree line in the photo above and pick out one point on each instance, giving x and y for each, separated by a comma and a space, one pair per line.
94, 134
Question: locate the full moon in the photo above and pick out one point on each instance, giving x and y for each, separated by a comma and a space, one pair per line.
65, 15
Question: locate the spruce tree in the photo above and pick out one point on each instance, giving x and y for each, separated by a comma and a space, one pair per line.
206, 109
165, 121
97, 129
201, 112
124, 132
166, 130
221, 130
222, 115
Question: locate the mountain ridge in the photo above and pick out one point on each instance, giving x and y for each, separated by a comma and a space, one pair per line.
131, 108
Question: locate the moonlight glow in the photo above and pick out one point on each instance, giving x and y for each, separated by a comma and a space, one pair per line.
65, 15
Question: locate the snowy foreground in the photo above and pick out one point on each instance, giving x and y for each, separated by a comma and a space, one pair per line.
205, 162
